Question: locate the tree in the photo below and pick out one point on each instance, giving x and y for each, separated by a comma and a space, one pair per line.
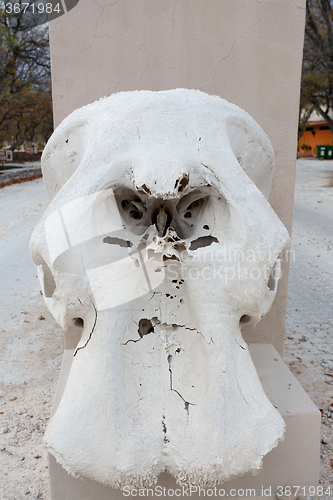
317, 73
25, 82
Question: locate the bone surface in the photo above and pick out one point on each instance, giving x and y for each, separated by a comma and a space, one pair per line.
157, 245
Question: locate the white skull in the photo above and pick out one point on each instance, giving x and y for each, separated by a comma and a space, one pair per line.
157, 244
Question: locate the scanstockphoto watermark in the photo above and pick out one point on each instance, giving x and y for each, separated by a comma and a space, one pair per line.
229, 253
226, 274
218, 492
197, 491
124, 259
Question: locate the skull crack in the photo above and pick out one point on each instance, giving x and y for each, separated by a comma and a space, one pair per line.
92, 331
187, 403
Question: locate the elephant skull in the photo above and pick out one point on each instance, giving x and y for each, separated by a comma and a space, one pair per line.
158, 243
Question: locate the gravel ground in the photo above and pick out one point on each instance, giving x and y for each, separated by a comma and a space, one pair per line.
309, 332
31, 341
31, 349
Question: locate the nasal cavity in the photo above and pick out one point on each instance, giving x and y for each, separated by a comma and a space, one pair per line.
162, 219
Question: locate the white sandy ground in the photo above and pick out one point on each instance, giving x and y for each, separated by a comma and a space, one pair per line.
31, 348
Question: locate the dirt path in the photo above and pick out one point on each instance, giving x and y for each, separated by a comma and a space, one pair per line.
31, 347
309, 332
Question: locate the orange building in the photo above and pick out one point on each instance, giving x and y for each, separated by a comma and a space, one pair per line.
316, 134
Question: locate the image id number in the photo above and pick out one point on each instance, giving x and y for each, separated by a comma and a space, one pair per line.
40, 8
311, 491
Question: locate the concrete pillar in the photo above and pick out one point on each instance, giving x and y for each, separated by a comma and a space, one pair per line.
248, 52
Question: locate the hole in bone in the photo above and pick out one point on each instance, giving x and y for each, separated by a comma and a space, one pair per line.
273, 279
206, 227
145, 189
271, 282
136, 214
194, 204
245, 319
180, 247
173, 257
117, 241
145, 327
203, 241
187, 215
182, 183
78, 322
48, 281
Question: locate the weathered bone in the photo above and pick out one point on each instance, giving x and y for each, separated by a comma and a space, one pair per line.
158, 242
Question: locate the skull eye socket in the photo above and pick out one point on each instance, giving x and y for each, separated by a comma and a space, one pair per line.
131, 208
191, 205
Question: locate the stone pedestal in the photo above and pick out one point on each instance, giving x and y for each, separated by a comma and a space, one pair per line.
294, 462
